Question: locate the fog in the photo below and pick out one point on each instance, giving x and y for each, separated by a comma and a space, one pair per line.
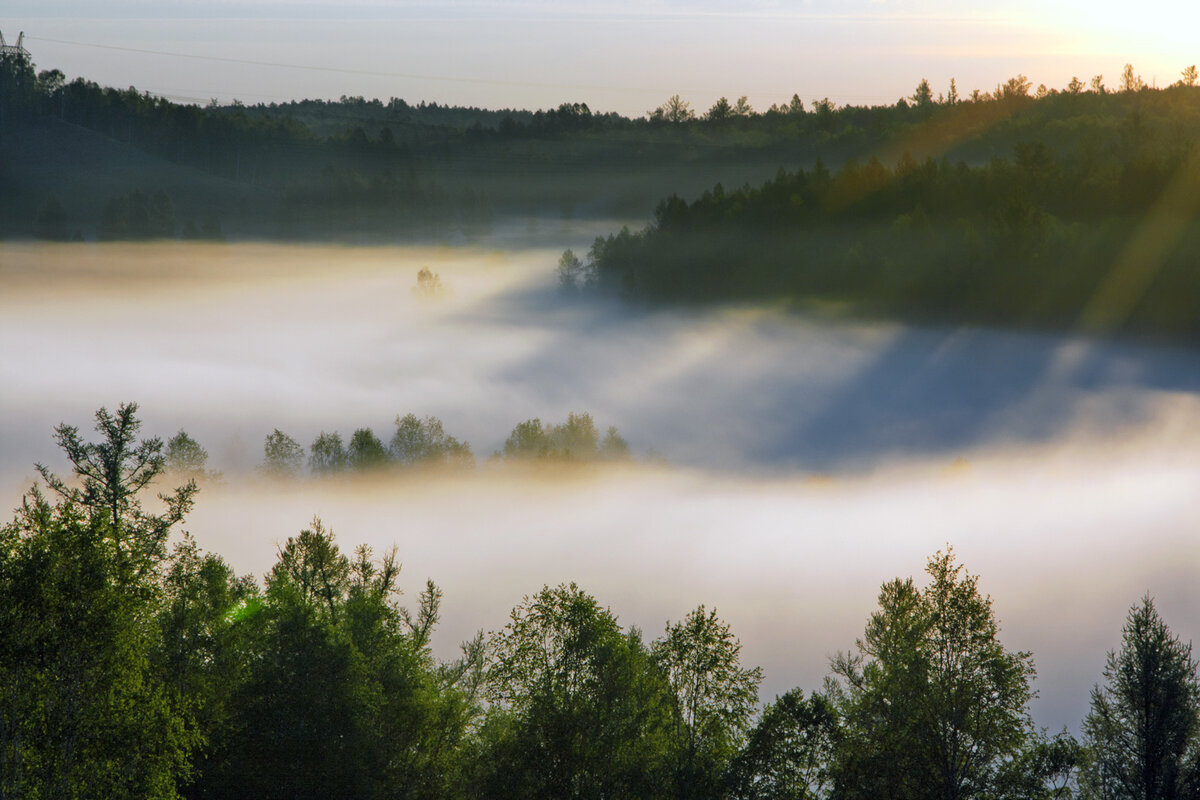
788, 464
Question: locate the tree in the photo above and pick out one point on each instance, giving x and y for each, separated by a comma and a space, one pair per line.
342, 697
1188, 76
1143, 729
185, 457
429, 285
1098, 84
570, 272
675, 110
952, 95
282, 455
789, 751
1075, 86
796, 106
742, 108
327, 455
933, 704
418, 442
111, 474
366, 452
84, 713
714, 698
1014, 88
1131, 82
577, 705
923, 97
720, 111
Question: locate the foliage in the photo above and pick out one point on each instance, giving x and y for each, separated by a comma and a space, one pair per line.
327, 455
282, 455
714, 699
574, 440
83, 710
424, 442
578, 706
789, 751
110, 474
185, 457
933, 704
1143, 730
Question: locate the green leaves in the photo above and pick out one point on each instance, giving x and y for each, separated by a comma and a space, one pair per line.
933, 704
1144, 725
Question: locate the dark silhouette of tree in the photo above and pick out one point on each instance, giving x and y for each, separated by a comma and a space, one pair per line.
720, 111
1143, 729
1130, 81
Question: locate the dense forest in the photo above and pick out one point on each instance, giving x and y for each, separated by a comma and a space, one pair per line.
1091, 222
1061, 209
397, 171
133, 664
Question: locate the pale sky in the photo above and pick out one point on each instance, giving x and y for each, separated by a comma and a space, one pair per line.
618, 55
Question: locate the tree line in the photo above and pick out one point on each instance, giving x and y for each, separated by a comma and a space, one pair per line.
315, 168
416, 443
1036, 236
133, 668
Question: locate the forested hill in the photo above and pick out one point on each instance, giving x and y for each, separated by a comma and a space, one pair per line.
369, 169
1091, 220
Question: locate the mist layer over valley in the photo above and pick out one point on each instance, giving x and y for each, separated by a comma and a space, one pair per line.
784, 465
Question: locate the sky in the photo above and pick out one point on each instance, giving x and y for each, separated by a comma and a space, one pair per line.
619, 55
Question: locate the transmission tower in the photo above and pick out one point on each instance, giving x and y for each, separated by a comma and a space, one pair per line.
17, 49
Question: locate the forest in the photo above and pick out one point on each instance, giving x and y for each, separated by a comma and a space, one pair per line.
134, 664
1073, 209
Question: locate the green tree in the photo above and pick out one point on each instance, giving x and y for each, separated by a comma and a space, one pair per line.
570, 272
720, 111
714, 698
1076, 86
1188, 76
577, 705
424, 442
84, 713
933, 704
365, 451
789, 752
342, 697
742, 108
185, 457
1143, 729
282, 455
110, 474
923, 96
327, 455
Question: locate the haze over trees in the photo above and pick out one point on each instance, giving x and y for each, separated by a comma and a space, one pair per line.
130, 669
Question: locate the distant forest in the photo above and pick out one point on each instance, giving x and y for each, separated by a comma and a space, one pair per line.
395, 171
135, 665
